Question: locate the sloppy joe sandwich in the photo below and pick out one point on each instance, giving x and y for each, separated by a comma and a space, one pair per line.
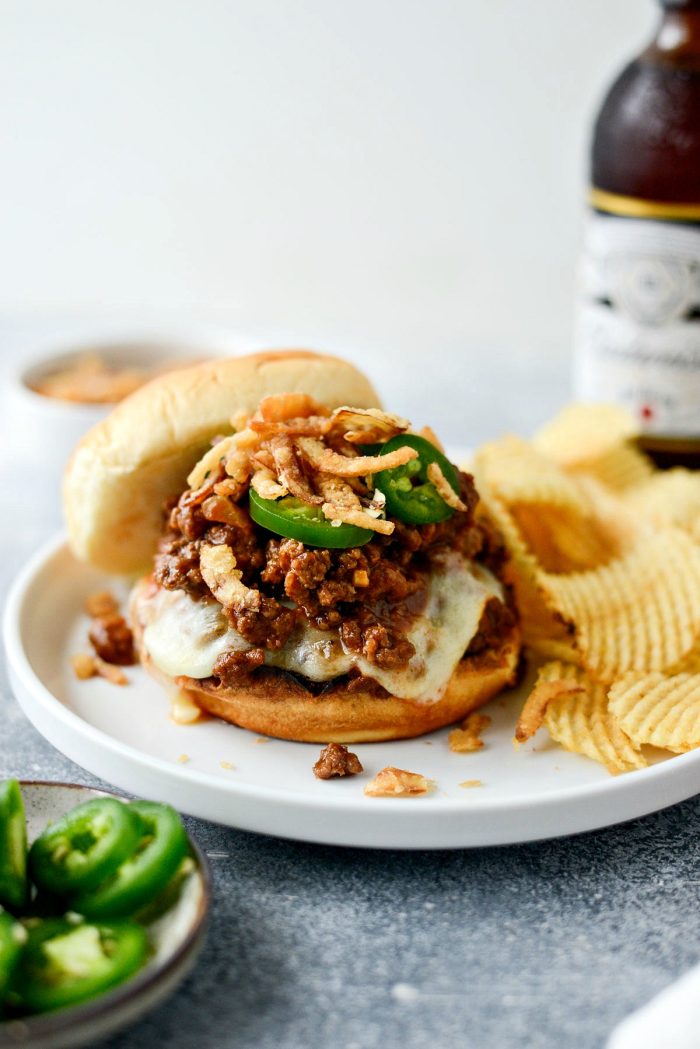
312, 567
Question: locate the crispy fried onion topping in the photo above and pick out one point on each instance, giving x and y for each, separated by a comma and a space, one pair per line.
444, 488
266, 484
210, 462
293, 446
219, 572
290, 413
219, 508
328, 461
532, 715
367, 425
342, 504
290, 472
234, 449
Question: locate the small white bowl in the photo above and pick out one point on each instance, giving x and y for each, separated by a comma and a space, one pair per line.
42, 431
177, 937
49, 419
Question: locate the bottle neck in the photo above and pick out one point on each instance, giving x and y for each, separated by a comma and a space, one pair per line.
677, 39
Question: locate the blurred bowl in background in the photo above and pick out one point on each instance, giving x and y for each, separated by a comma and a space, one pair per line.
87, 379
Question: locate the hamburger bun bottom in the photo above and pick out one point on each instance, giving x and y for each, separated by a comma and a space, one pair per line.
274, 703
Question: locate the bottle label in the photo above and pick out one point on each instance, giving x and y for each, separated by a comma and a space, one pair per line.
638, 324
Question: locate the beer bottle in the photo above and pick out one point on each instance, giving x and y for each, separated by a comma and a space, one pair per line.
638, 325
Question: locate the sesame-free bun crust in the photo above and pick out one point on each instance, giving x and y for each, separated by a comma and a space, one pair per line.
273, 703
127, 466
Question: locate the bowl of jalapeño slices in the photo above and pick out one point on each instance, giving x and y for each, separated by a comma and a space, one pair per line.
103, 907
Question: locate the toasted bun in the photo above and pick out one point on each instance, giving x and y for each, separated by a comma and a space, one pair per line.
128, 465
274, 703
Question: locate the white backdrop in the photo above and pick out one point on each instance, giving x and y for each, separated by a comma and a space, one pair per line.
396, 178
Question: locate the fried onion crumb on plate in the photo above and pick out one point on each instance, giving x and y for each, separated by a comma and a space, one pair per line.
467, 738
391, 782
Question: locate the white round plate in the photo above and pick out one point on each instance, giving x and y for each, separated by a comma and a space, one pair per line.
226, 774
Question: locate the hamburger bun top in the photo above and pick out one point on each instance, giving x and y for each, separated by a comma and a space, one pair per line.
125, 468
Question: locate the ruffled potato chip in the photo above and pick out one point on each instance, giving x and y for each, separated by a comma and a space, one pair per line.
565, 542
584, 432
575, 711
621, 525
660, 710
605, 566
641, 612
517, 473
596, 440
621, 469
574, 708
669, 498
583, 723
556, 643
689, 664
564, 524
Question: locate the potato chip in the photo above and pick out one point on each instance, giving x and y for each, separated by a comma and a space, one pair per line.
596, 440
565, 542
689, 664
584, 432
620, 524
621, 468
566, 525
641, 612
582, 723
660, 710
605, 566
554, 643
672, 497
574, 708
515, 472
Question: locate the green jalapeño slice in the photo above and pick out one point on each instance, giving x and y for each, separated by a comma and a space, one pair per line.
293, 519
64, 963
13, 846
76, 853
12, 939
145, 874
410, 496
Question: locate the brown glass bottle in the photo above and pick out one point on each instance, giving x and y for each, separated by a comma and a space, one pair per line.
638, 331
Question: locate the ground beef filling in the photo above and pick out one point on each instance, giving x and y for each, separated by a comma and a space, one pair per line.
364, 593
496, 620
112, 639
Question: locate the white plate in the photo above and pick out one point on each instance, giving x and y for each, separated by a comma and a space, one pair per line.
125, 736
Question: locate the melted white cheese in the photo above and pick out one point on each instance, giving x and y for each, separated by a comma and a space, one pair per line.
185, 637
